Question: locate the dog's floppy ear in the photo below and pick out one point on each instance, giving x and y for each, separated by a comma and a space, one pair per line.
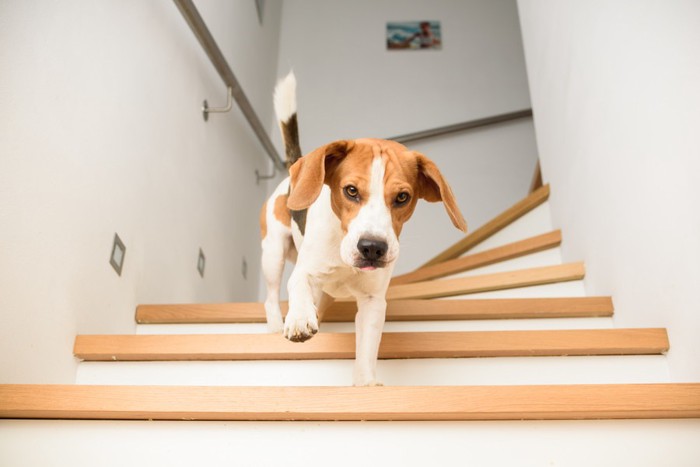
308, 174
432, 187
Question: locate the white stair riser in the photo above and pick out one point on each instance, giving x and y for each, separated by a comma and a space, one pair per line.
559, 289
549, 257
536, 222
602, 443
413, 372
390, 326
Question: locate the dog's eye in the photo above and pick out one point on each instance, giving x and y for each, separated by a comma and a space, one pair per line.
402, 198
351, 192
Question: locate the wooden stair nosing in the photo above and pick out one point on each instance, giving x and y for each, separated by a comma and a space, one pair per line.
397, 310
550, 402
645, 341
488, 282
237, 312
507, 217
485, 258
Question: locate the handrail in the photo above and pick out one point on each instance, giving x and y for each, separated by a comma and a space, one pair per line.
443, 130
200, 30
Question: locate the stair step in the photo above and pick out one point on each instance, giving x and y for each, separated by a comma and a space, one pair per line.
397, 310
542, 258
485, 258
488, 282
602, 369
393, 345
536, 222
351, 403
508, 216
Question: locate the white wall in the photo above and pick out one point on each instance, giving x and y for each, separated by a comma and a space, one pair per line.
616, 98
350, 86
102, 133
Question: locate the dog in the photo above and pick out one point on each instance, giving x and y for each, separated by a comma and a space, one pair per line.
338, 217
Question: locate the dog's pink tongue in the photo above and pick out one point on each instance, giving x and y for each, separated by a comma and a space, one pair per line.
368, 268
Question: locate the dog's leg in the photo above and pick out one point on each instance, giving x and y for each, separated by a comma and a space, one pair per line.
323, 304
369, 321
274, 252
301, 322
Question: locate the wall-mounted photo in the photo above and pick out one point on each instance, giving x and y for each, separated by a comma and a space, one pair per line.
413, 35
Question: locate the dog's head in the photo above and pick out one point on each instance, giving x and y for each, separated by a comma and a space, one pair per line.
374, 187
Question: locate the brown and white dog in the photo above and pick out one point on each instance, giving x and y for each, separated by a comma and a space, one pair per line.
338, 216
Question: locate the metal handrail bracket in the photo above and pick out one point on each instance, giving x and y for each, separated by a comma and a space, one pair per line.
206, 110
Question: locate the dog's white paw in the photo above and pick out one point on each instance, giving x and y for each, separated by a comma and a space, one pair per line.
364, 377
300, 328
273, 315
275, 326
366, 383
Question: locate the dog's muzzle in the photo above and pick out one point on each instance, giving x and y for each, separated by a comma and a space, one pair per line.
372, 253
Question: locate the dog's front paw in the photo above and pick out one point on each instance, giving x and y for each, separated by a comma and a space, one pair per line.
275, 326
364, 376
300, 328
273, 316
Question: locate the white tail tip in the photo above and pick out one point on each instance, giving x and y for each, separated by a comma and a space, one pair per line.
286, 97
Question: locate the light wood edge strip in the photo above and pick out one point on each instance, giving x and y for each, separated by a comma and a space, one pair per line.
467, 344
540, 402
243, 312
501, 308
485, 258
508, 216
397, 310
487, 282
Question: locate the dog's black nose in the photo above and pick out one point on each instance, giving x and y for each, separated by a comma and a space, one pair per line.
372, 250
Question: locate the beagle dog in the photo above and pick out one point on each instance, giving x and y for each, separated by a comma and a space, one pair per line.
338, 216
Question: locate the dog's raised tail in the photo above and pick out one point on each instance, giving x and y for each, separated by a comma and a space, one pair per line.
286, 111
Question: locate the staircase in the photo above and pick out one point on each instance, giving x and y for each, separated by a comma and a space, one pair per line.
492, 355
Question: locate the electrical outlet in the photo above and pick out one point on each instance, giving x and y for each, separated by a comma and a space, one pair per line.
244, 269
201, 261
116, 259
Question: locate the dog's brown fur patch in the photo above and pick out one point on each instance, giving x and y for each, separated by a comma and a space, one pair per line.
355, 169
281, 211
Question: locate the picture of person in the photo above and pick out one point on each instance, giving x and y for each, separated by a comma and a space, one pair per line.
413, 35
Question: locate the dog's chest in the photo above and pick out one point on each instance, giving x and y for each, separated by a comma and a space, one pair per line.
344, 281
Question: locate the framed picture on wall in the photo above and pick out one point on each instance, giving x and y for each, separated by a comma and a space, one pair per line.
413, 35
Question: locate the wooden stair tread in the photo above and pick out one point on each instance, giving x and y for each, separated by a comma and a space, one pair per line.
397, 310
507, 217
465, 263
487, 282
393, 345
553, 402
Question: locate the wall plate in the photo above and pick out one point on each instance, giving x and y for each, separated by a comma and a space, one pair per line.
116, 259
